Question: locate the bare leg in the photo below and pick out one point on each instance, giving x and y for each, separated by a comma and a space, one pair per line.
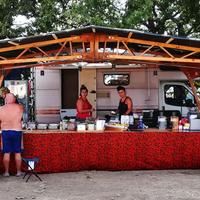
6, 161
18, 160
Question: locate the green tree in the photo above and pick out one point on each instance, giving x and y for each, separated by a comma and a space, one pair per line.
54, 15
92, 12
174, 17
7, 11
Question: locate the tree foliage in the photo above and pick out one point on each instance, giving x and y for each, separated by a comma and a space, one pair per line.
175, 17
53, 15
7, 11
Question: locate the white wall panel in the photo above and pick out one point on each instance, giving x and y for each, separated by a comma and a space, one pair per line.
50, 80
48, 99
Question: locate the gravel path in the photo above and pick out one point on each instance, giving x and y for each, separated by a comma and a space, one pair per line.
105, 185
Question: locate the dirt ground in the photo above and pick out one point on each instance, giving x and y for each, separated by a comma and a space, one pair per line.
105, 185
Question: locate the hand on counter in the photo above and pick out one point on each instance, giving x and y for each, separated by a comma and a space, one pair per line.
113, 112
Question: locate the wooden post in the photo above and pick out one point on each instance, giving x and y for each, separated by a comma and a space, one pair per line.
194, 89
1, 79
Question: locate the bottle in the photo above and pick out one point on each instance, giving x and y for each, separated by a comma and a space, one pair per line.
140, 123
162, 122
131, 120
135, 120
61, 126
175, 122
180, 127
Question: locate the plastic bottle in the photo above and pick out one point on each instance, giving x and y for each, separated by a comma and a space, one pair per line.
140, 123
61, 126
175, 122
162, 122
131, 120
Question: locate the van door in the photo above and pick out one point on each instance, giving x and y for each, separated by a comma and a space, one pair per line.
176, 96
88, 78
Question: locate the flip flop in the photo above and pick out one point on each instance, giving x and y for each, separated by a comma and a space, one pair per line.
6, 174
19, 174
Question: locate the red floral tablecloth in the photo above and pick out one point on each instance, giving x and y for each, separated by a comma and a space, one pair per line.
62, 152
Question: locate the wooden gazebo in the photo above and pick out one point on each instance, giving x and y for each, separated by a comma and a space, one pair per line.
95, 44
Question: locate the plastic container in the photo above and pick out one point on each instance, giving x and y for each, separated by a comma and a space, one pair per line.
81, 127
162, 122
64, 124
131, 119
71, 126
100, 125
125, 119
90, 127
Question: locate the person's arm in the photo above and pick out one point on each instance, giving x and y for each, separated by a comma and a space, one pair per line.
79, 106
22, 139
130, 106
1, 129
1, 142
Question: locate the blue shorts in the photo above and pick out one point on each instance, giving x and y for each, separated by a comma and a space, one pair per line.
11, 141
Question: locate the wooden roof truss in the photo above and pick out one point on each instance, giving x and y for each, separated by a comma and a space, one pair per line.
97, 47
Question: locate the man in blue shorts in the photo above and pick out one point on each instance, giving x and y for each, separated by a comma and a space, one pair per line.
11, 126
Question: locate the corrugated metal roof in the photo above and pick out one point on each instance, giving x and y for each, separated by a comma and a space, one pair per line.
106, 30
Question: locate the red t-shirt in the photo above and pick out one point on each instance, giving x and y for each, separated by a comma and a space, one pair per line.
86, 106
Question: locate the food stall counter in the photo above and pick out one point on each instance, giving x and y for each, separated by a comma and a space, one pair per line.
64, 151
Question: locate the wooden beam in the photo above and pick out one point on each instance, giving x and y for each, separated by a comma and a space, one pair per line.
1, 79
22, 53
127, 48
105, 45
54, 36
92, 47
167, 52
13, 43
146, 50
38, 54
148, 42
156, 59
117, 47
30, 60
170, 40
61, 48
39, 44
7, 67
3, 58
96, 47
130, 34
83, 47
189, 54
194, 89
42, 51
71, 49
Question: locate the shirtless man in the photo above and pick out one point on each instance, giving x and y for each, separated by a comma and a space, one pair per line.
4, 91
10, 118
